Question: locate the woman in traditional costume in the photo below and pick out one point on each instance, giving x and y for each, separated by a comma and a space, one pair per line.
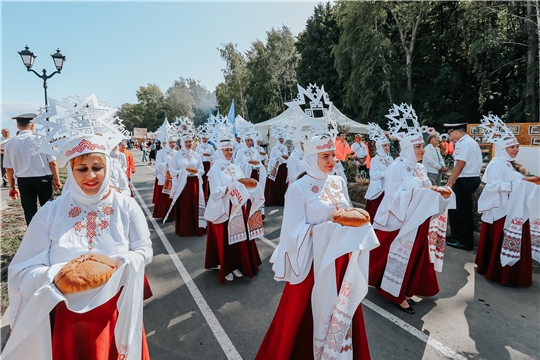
162, 189
187, 194
509, 205
379, 164
247, 157
89, 219
410, 222
295, 163
260, 149
276, 183
324, 264
230, 241
206, 152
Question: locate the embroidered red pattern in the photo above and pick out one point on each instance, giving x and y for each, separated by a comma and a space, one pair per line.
328, 145
76, 211
84, 144
91, 223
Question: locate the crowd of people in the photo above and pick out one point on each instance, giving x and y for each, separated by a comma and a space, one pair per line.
215, 181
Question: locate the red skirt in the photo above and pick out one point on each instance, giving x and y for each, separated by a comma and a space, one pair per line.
290, 335
162, 205
186, 218
488, 257
206, 184
420, 277
274, 192
243, 255
373, 205
157, 191
87, 336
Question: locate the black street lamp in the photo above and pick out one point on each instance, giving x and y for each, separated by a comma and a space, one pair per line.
28, 58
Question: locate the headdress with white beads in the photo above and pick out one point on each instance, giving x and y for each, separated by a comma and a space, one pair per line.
184, 128
404, 126
204, 130
220, 132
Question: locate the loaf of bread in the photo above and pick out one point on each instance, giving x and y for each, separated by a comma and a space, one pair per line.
253, 162
285, 156
533, 179
207, 154
351, 217
248, 182
443, 190
192, 170
85, 272
262, 153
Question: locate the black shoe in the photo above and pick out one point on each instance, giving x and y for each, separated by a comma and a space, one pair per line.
458, 245
411, 301
408, 310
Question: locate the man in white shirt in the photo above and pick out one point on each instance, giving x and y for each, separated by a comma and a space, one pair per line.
360, 148
144, 147
36, 174
464, 181
5, 137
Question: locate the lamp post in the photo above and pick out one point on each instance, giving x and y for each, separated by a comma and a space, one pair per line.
28, 58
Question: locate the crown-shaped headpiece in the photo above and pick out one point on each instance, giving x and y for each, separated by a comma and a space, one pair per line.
204, 130
315, 125
76, 126
496, 131
184, 128
377, 134
245, 129
404, 126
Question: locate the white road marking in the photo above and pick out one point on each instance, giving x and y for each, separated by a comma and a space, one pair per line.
227, 345
222, 338
446, 351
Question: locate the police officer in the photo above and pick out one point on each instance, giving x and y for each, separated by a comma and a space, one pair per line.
464, 181
36, 174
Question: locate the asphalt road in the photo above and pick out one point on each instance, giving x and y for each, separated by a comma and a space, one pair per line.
192, 316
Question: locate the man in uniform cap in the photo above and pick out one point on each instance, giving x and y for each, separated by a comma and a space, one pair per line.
34, 173
464, 181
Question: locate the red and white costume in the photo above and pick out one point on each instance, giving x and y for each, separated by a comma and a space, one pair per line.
379, 165
162, 191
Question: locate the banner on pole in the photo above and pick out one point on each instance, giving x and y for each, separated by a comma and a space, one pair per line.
140, 133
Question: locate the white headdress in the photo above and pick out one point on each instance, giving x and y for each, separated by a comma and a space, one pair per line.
77, 126
165, 132
245, 129
316, 125
184, 128
204, 131
220, 132
496, 132
377, 134
403, 125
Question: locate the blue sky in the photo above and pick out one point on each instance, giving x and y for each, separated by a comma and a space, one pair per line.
112, 48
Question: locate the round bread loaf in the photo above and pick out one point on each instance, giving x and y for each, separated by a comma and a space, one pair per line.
206, 154
248, 182
262, 153
253, 162
192, 170
285, 156
351, 217
533, 179
85, 272
443, 190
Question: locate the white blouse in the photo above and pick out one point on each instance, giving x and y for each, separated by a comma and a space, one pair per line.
163, 157
377, 171
295, 166
499, 176
183, 159
202, 149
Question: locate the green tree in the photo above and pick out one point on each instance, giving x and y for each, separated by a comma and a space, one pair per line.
234, 86
315, 45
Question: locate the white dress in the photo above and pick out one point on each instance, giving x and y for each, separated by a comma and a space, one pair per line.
59, 232
295, 166
378, 166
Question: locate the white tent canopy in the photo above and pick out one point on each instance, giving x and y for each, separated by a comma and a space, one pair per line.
342, 120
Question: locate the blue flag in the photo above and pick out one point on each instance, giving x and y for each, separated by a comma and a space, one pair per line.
231, 113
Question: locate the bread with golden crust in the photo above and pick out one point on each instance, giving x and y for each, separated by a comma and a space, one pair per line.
351, 217
285, 156
248, 182
253, 162
207, 154
85, 272
443, 190
192, 170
